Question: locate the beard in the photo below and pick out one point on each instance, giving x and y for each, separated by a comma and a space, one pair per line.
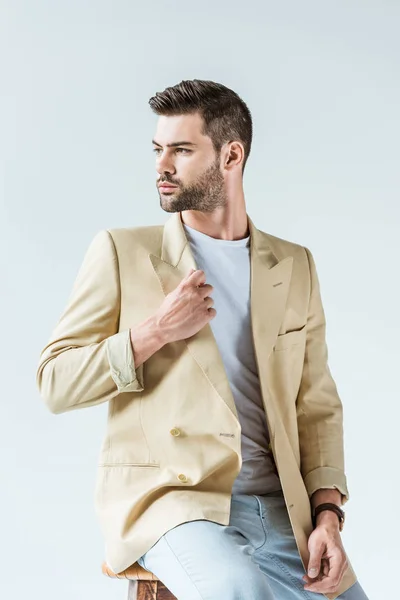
206, 194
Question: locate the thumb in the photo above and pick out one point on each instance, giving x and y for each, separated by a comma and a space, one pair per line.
314, 564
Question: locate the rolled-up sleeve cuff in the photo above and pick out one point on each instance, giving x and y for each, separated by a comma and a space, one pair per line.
122, 364
328, 478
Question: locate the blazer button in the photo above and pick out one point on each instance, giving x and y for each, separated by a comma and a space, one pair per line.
182, 477
175, 432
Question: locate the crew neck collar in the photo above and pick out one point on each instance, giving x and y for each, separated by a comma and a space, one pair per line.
199, 235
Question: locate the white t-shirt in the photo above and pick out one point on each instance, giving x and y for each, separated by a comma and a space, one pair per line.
226, 264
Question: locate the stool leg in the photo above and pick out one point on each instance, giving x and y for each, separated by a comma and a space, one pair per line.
132, 590
149, 590
163, 592
142, 590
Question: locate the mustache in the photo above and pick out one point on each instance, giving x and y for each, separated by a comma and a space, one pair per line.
160, 181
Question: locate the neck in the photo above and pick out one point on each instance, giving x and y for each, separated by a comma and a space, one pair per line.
222, 223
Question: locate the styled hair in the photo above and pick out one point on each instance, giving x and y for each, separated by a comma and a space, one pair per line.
226, 117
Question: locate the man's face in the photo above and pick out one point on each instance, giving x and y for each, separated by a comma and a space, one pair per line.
192, 167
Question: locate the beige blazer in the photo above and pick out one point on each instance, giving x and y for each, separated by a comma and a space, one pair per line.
172, 449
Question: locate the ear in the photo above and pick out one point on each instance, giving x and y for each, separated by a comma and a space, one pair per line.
235, 154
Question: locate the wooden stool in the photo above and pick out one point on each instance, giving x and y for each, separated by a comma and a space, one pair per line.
143, 585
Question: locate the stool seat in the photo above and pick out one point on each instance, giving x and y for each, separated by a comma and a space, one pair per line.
135, 573
143, 585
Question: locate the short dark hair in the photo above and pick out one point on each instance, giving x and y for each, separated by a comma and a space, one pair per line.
226, 116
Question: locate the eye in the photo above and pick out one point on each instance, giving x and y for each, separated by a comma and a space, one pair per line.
156, 150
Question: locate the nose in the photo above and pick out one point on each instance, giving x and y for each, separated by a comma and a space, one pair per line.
164, 165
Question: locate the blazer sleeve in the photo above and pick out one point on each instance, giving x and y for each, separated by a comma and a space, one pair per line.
319, 408
87, 360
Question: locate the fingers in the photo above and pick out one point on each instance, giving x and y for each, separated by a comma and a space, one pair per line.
208, 302
205, 290
188, 275
323, 572
329, 579
197, 277
325, 564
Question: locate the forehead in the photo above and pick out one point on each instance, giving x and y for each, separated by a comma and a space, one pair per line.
178, 128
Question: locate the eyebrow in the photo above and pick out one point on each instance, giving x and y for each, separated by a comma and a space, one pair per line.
174, 144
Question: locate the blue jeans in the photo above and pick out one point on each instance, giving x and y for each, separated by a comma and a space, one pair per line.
255, 557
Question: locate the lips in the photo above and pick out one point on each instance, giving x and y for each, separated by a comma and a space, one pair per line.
167, 185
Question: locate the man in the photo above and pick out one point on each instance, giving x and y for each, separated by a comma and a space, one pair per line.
206, 336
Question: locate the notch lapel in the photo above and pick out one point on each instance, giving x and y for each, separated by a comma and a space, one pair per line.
270, 279
270, 282
171, 267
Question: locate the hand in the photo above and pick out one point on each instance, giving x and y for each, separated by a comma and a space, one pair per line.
327, 556
187, 308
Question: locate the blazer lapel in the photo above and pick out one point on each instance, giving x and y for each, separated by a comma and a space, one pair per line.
270, 279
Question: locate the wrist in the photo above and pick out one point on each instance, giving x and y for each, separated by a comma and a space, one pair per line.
328, 519
146, 339
328, 514
158, 330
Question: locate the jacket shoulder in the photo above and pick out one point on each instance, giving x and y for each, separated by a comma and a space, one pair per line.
283, 248
148, 237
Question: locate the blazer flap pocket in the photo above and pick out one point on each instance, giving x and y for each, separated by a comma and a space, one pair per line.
290, 338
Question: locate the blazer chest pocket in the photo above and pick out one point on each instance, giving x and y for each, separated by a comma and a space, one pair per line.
290, 338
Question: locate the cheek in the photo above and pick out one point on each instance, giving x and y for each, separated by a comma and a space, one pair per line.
185, 175
191, 172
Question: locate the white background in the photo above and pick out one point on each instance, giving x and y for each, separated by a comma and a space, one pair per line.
322, 82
